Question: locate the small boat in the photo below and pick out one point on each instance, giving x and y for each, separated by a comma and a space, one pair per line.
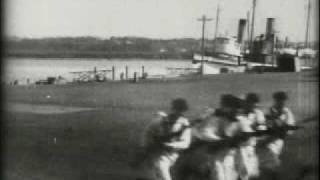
307, 53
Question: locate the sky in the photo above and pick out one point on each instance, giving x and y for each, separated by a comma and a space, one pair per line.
152, 18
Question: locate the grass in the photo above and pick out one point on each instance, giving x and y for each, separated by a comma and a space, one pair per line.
99, 144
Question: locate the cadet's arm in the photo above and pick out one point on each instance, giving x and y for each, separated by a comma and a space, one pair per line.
209, 134
290, 118
261, 120
183, 142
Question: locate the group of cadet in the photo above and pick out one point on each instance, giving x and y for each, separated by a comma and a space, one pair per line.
239, 140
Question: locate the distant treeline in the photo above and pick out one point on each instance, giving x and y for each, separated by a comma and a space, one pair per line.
91, 47
114, 47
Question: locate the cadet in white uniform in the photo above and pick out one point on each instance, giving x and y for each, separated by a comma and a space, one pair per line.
166, 137
218, 126
252, 119
279, 115
269, 154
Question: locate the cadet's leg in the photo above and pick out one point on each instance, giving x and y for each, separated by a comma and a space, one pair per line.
269, 162
162, 169
276, 146
218, 172
230, 166
241, 163
163, 166
248, 165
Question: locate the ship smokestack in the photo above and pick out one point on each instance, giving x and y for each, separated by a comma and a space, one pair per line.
241, 28
270, 28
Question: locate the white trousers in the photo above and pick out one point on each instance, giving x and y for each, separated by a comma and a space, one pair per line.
276, 146
272, 161
247, 162
162, 166
224, 166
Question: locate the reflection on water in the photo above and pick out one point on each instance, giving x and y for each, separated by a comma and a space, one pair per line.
35, 69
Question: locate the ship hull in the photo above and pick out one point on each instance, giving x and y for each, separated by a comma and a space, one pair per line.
227, 61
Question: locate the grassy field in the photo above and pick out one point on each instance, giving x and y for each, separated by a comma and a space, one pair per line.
97, 143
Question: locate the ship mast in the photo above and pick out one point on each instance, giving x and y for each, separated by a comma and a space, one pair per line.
203, 19
252, 23
248, 31
217, 21
307, 28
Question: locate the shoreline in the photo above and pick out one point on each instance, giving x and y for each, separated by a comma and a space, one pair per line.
97, 55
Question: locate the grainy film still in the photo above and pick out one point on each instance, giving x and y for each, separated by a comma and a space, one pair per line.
160, 90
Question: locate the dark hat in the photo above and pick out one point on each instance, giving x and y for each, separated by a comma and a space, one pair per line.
231, 101
280, 96
179, 105
252, 98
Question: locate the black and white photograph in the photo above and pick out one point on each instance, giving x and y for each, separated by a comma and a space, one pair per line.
160, 89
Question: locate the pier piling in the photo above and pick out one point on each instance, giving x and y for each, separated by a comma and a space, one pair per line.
135, 77
113, 73
121, 76
127, 70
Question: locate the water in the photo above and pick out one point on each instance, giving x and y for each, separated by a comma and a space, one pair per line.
36, 68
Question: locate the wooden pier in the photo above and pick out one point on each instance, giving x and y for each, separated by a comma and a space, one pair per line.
95, 75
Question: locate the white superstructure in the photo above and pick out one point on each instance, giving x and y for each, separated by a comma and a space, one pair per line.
226, 46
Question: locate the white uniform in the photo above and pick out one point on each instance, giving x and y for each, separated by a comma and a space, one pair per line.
208, 129
270, 155
163, 160
285, 117
215, 129
248, 166
257, 117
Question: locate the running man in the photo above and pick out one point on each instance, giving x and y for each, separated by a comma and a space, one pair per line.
218, 127
278, 116
251, 120
166, 138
